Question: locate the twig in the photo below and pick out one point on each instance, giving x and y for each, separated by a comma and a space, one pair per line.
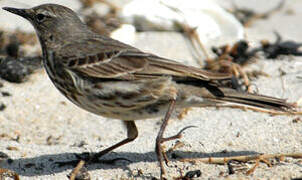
224, 160
8, 173
76, 170
249, 172
246, 16
178, 144
191, 34
183, 113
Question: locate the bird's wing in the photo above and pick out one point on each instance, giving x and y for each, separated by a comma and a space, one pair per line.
111, 59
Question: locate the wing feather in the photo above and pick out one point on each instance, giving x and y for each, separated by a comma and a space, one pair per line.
122, 61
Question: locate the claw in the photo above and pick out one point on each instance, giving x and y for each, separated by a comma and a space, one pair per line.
165, 157
178, 135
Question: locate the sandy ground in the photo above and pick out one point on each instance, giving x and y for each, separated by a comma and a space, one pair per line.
52, 129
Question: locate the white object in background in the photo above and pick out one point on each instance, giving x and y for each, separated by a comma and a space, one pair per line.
125, 34
215, 26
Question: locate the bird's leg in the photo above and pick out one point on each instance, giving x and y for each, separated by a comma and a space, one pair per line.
177, 136
132, 134
160, 139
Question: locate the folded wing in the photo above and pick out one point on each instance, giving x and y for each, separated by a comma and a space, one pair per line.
128, 63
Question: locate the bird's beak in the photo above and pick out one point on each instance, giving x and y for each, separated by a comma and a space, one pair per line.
21, 12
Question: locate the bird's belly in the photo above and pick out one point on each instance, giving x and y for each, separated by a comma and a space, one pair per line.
118, 100
117, 110
117, 106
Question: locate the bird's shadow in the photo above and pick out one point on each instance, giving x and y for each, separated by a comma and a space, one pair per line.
47, 164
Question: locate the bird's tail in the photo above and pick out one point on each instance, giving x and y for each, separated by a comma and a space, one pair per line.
233, 98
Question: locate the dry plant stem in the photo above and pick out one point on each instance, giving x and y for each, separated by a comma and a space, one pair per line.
76, 170
237, 71
176, 146
264, 15
196, 43
242, 73
282, 80
192, 36
224, 160
252, 170
183, 113
8, 173
266, 162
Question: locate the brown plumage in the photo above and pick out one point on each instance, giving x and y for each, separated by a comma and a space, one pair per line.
115, 80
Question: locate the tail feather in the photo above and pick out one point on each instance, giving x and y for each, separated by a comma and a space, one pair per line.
233, 97
220, 95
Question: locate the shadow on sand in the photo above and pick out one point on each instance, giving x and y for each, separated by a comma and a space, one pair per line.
47, 164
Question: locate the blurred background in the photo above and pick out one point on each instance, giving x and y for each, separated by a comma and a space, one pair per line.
258, 41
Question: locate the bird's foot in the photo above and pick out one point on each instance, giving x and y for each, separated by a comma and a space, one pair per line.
176, 136
160, 150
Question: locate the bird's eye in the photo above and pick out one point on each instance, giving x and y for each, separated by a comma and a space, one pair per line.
40, 17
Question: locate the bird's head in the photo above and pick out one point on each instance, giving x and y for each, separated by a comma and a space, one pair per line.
52, 21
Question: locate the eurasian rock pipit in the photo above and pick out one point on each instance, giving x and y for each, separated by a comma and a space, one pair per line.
115, 80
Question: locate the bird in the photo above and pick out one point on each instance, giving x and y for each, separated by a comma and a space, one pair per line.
118, 81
